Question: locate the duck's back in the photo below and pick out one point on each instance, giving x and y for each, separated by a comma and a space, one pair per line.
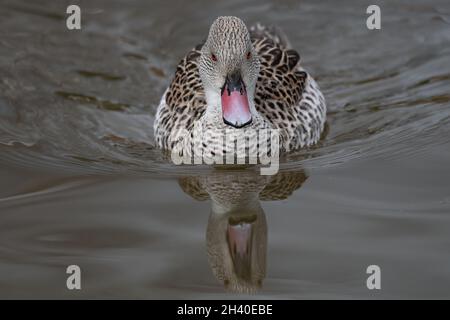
285, 94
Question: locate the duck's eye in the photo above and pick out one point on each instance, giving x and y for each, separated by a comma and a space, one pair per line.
213, 57
249, 55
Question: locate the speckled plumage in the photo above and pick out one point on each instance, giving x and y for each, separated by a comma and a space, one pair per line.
286, 97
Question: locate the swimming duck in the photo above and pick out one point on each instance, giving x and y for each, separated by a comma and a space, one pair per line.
241, 79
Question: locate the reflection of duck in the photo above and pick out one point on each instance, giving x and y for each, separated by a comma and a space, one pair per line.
240, 79
236, 236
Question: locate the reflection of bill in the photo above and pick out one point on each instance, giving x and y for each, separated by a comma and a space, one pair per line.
227, 146
236, 235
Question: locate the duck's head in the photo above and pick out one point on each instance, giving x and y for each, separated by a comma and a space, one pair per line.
229, 67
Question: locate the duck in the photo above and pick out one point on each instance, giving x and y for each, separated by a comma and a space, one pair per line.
238, 80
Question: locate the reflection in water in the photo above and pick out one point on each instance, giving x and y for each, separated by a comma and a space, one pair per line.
236, 236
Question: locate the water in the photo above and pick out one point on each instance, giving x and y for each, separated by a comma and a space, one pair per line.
81, 182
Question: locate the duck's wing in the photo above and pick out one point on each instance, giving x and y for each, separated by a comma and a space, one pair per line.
273, 33
281, 81
275, 51
285, 94
283, 185
183, 102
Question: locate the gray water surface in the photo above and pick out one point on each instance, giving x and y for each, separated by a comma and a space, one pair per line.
82, 183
